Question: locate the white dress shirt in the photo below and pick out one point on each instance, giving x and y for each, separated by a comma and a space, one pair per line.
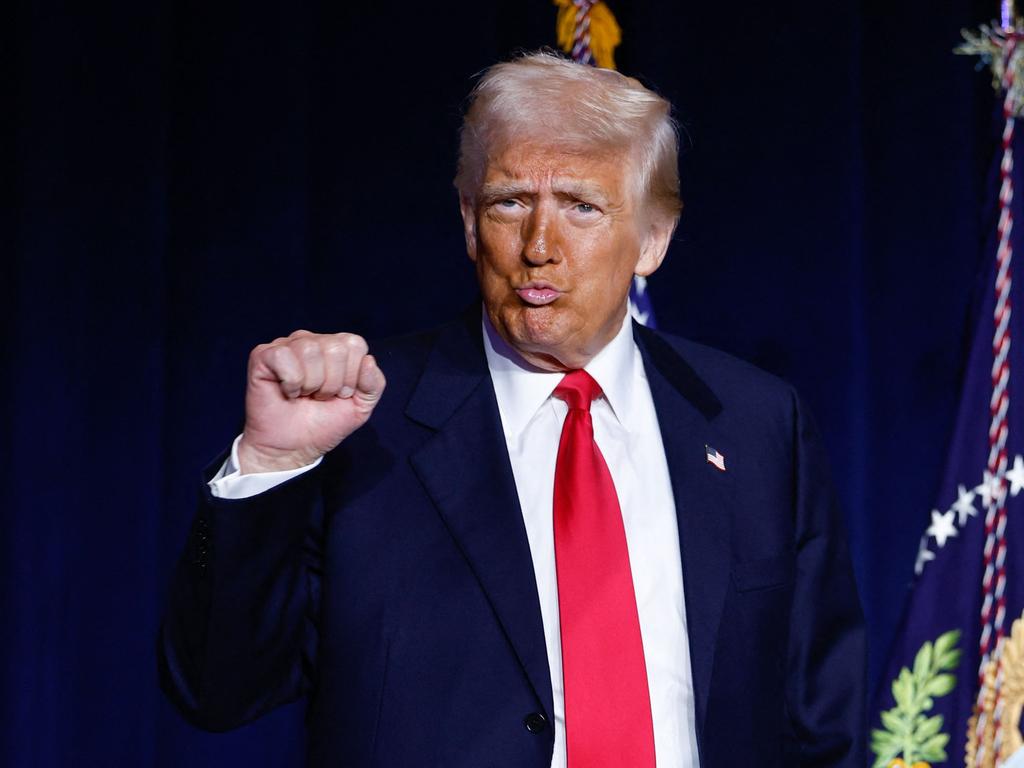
627, 433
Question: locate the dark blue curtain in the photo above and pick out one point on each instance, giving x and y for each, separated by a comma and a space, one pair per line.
184, 180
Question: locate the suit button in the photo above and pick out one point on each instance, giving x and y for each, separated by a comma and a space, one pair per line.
535, 722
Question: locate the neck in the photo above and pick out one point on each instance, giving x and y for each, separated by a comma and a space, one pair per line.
545, 361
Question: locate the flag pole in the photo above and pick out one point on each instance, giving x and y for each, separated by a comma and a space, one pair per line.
1007, 14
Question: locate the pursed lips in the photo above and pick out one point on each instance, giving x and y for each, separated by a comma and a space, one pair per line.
538, 293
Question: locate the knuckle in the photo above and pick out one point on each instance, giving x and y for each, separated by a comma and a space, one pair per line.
276, 352
306, 347
356, 343
336, 350
282, 363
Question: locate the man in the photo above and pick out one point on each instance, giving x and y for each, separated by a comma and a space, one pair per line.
556, 539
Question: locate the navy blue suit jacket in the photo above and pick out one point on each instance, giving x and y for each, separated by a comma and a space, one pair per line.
393, 585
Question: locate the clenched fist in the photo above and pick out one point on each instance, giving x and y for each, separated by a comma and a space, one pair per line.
305, 394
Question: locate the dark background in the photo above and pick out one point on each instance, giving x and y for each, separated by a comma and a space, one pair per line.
184, 180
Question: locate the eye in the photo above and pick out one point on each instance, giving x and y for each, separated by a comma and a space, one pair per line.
507, 209
585, 207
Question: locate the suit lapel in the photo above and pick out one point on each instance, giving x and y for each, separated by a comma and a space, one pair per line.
466, 471
686, 409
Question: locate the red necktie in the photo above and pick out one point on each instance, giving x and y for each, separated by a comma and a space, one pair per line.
607, 705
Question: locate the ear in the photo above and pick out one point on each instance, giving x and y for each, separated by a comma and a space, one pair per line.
468, 225
655, 245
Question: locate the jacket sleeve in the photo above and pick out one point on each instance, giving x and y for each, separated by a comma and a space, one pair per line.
826, 664
239, 634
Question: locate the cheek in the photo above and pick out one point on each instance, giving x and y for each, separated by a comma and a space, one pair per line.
493, 277
605, 268
499, 241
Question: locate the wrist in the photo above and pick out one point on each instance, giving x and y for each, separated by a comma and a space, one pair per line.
254, 458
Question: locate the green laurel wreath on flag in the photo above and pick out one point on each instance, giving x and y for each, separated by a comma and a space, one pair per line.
909, 732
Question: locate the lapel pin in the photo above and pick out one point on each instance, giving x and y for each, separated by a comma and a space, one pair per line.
715, 458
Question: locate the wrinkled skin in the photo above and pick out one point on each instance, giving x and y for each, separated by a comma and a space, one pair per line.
570, 225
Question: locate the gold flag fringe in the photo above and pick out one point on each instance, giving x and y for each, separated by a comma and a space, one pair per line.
605, 34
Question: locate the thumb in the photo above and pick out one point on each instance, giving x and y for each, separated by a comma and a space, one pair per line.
370, 384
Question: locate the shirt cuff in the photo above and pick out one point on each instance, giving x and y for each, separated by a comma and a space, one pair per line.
230, 483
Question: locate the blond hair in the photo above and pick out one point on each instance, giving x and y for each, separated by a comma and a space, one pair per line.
545, 98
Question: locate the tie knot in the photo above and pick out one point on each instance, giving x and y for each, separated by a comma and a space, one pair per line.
578, 389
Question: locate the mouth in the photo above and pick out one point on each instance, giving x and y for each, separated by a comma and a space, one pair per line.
538, 293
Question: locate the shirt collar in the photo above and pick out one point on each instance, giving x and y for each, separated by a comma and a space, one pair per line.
521, 389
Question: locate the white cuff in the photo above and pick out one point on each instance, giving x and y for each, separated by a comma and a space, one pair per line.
230, 483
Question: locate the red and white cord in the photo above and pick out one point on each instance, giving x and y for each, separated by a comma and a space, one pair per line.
993, 610
581, 34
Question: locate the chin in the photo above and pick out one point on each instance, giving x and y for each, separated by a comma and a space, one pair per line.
538, 332
538, 325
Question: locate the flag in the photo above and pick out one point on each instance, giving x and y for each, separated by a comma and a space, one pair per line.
715, 458
954, 686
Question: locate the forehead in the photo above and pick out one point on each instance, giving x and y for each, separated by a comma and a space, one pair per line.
545, 164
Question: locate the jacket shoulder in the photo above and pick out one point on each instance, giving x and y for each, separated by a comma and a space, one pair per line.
735, 383
434, 361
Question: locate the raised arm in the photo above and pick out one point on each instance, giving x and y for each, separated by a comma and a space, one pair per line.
239, 634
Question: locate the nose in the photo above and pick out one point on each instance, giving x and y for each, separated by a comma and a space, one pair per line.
540, 240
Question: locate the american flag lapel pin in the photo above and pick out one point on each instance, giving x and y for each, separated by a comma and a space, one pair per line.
716, 459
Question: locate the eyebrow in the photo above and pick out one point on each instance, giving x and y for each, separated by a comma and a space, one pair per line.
499, 190
581, 190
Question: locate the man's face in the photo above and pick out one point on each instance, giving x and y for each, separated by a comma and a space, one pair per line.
557, 237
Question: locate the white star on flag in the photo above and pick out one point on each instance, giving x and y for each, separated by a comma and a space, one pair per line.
1016, 476
989, 489
993, 489
942, 527
923, 556
964, 505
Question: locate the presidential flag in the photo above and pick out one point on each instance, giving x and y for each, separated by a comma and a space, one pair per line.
954, 687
